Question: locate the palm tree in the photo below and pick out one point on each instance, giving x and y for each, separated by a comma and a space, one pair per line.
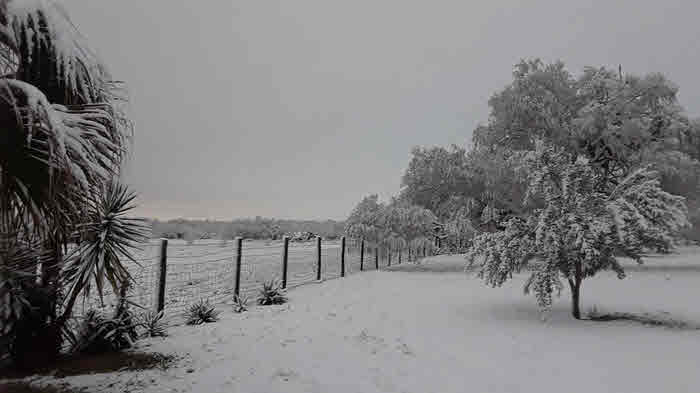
64, 136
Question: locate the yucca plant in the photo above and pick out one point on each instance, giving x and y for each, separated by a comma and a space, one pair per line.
240, 304
201, 312
272, 293
153, 324
98, 334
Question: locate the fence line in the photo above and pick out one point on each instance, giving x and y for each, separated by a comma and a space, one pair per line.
170, 278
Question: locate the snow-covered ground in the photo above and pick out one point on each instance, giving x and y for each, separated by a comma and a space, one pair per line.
423, 332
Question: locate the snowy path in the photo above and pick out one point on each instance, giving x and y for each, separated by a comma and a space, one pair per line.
435, 332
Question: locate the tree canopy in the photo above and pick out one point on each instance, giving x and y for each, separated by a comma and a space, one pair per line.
619, 122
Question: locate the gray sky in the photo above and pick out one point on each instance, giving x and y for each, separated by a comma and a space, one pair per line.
297, 109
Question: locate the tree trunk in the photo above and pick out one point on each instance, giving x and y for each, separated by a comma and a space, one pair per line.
575, 285
575, 299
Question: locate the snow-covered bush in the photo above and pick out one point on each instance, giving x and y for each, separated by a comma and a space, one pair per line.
587, 221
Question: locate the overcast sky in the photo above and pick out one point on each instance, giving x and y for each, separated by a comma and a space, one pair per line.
297, 109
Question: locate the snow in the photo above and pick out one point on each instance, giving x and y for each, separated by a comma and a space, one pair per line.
79, 60
431, 328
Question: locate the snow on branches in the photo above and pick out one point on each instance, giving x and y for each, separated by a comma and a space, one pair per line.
585, 223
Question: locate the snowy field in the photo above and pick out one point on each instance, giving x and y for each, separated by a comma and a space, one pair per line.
431, 328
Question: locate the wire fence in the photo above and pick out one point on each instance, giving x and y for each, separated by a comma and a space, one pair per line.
207, 270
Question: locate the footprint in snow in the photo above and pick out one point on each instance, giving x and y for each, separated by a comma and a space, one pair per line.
403, 348
284, 374
285, 342
373, 342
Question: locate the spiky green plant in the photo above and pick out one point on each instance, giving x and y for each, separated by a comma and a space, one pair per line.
153, 324
201, 312
272, 293
240, 304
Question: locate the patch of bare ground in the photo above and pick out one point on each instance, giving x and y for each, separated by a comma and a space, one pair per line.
95, 364
27, 387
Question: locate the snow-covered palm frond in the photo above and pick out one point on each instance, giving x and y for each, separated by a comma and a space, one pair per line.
41, 31
52, 153
64, 120
64, 135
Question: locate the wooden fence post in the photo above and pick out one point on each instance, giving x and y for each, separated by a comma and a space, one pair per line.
399, 256
239, 258
162, 274
424, 254
318, 258
389, 257
285, 255
376, 258
342, 257
362, 254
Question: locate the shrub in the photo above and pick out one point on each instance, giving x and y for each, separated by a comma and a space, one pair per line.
154, 324
98, 334
201, 312
240, 304
272, 293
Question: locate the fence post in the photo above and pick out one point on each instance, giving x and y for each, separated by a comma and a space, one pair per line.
389, 257
399, 256
376, 258
318, 258
362, 254
239, 257
162, 274
424, 254
285, 255
342, 257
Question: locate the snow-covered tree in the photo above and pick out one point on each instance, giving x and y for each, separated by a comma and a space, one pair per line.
390, 225
585, 224
434, 176
364, 220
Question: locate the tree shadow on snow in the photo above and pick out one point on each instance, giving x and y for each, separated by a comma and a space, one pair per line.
663, 319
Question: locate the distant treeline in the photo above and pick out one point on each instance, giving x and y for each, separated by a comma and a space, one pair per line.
249, 228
